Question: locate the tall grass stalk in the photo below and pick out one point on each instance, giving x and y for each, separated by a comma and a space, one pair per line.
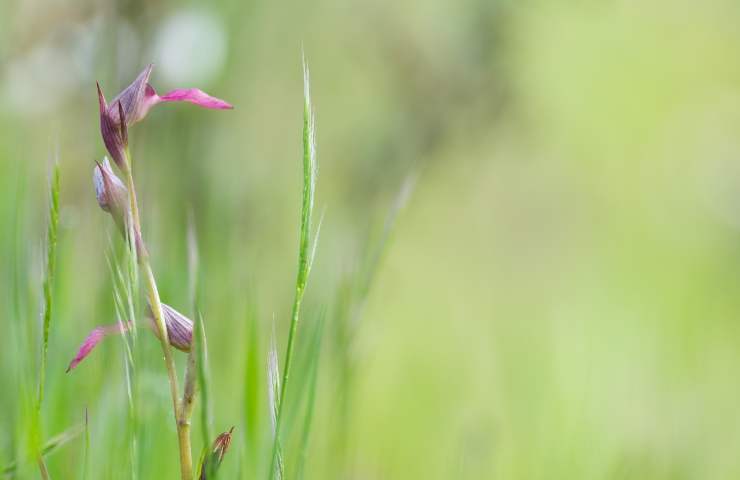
305, 251
186, 462
51, 255
200, 344
86, 453
48, 283
351, 300
253, 388
123, 294
191, 368
273, 392
314, 356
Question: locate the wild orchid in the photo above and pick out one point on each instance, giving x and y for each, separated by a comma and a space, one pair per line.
133, 104
179, 333
118, 198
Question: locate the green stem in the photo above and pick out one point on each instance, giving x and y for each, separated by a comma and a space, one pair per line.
51, 250
183, 427
304, 256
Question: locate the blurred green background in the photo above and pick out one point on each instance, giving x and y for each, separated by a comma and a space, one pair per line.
558, 298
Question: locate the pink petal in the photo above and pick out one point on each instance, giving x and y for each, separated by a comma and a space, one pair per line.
196, 96
92, 340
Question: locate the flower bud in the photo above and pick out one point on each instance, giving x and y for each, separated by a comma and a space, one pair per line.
179, 328
179, 333
111, 193
214, 458
139, 97
113, 130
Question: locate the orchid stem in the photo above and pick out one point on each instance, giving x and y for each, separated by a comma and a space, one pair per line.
183, 424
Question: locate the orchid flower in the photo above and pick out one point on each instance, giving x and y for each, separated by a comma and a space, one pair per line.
133, 103
111, 193
112, 197
179, 332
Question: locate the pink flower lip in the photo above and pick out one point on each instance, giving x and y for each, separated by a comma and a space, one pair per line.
95, 337
134, 103
179, 333
140, 96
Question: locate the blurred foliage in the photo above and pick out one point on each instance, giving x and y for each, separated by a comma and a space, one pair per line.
559, 298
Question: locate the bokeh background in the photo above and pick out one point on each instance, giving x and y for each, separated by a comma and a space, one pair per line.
557, 297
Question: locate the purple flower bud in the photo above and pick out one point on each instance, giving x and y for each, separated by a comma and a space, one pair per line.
110, 130
140, 96
134, 99
132, 105
179, 328
110, 192
179, 332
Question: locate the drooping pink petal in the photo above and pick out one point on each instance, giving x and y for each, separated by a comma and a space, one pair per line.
197, 97
95, 337
136, 100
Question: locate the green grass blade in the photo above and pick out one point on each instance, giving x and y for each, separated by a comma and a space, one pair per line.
314, 357
253, 390
51, 255
305, 250
48, 282
273, 375
86, 453
51, 446
201, 345
125, 313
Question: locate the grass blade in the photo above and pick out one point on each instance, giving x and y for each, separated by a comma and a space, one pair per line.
305, 250
201, 346
273, 376
86, 454
314, 357
253, 389
191, 370
125, 308
51, 446
51, 255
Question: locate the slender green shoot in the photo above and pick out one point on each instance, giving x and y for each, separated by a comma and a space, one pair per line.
125, 315
305, 250
86, 454
183, 438
51, 446
48, 283
200, 344
273, 375
51, 256
253, 388
313, 357
375, 256
351, 300
191, 369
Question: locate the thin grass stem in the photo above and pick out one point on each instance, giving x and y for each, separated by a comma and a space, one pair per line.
51, 255
186, 462
304, 249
